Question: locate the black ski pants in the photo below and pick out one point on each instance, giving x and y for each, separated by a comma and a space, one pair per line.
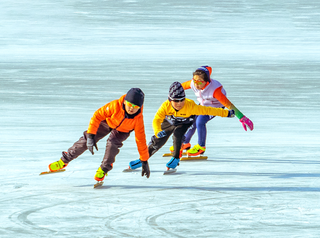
178, 132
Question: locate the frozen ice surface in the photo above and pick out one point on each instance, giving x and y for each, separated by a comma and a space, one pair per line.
62, 60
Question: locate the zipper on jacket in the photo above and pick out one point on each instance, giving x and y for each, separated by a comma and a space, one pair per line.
120, 123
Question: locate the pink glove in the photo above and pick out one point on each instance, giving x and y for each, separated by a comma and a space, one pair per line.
246, 122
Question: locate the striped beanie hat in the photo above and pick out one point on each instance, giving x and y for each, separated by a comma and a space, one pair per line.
176, 91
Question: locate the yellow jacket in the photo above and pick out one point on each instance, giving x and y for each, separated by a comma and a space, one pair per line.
189, 109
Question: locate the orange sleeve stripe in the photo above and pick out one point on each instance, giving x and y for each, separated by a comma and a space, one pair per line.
225, 102
222, 98
186, 85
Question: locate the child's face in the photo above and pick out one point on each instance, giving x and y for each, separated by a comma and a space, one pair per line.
130, 108
199, 82
178, 105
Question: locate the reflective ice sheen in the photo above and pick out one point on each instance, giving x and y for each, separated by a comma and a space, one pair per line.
62, 60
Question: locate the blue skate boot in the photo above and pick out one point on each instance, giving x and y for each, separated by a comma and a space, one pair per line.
135, 164
173, 163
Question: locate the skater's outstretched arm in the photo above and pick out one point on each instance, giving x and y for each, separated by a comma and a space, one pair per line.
246, 122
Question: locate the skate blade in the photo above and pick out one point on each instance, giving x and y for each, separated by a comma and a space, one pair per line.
49, 172
170, 154
170, 171
201, 157
98, 184
129, 170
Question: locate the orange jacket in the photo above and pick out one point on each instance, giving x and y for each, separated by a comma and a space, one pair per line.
114, 114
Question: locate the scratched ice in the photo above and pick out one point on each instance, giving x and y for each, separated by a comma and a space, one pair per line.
62, 60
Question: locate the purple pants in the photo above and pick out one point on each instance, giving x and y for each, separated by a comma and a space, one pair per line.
199, 124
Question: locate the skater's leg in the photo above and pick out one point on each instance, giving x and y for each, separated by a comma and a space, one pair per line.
81, 145
178, 137
202, 129
190, 132
114, 143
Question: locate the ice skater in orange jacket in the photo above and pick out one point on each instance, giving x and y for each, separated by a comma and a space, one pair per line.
117, 118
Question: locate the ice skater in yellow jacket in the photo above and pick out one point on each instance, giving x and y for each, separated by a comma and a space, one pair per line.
178, 112
175, 116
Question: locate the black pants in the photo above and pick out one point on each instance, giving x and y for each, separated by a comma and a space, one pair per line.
114, 142
178, 137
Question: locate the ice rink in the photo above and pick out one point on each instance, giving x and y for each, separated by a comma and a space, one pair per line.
62, 60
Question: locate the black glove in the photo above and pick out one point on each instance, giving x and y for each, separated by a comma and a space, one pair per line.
91, 142
145, 169
231, 113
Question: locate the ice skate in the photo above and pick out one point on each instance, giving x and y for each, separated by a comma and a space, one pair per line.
196, 150
100, 174
56, 166
173, 163
171, 166
169, 171
99, 177
193, 158
185, 146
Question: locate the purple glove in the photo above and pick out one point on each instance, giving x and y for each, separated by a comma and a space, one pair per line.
246, 122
